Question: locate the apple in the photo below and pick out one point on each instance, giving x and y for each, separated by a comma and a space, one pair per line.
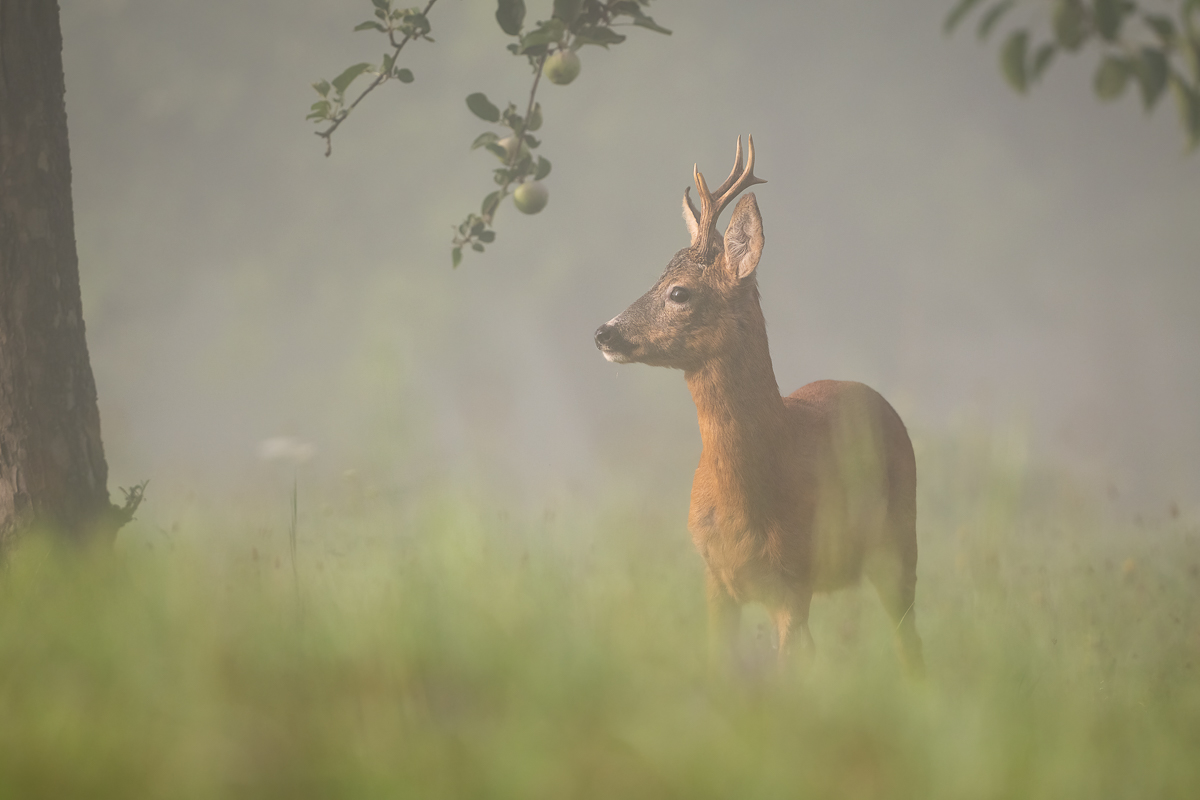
509, 143
561, 67
531, 197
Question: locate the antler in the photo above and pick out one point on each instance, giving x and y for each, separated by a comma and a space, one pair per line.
713, 203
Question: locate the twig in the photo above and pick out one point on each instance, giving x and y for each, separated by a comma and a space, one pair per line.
327, 134
292, 543
116, 517
520, 135
133, 498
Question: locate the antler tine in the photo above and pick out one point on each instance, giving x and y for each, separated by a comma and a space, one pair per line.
737, 168
713, 203
744, 181
750, 162
707, 203
701, 186
687, 198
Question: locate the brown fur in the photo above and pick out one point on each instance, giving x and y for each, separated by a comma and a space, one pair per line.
793, 495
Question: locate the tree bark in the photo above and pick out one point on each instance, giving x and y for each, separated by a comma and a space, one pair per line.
52, 469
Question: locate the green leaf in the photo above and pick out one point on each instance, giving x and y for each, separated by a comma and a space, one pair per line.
382, 5
629, 8
523, 166
1152, 70
477, 247
1070, 24
1041, 60
487, 236
1012, 60
533, 52
322, 88
343, 81
496, 150
550, 32
645, 22
1189, 109
1109, 15
404, 75
456, 257
389, 61
490, 203
483, 139
482, 107
532, 142
567, 10
960, 10
414, 24
511, 118
511, 16
1111, 77
596, 34
320, 110
1162, 26
993, 16
535, 118
543, 168
369, 25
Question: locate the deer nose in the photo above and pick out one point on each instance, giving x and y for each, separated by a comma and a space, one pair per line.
604, 334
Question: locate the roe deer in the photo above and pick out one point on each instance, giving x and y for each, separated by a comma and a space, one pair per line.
793, 495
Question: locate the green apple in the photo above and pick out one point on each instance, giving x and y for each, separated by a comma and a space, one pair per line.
531, 197
561, 67
509, 143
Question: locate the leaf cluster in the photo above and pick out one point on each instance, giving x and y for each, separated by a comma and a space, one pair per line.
1150, 49
572, 25
411, 22
407, 24
515, 151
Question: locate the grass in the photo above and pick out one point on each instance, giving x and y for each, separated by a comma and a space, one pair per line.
442, 647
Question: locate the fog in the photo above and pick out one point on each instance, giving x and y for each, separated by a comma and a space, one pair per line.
982, 259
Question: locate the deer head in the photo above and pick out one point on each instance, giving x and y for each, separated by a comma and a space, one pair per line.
707, 293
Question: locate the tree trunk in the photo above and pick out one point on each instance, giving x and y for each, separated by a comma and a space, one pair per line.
52, 469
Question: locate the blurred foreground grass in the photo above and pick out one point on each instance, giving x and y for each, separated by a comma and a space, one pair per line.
438, 647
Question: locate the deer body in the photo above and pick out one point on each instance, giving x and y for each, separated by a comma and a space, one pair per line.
793, 495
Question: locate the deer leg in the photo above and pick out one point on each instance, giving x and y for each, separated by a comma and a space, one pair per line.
896, 584
724, 617
795, 639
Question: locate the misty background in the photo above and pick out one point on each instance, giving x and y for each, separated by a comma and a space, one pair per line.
986, 261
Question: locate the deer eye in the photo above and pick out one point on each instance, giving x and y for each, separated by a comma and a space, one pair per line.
679, 294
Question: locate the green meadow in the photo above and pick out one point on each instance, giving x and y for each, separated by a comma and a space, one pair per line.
446, 646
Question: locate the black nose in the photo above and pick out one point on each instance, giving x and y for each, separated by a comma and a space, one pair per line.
604, 334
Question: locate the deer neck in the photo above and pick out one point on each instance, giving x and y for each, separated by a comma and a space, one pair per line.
741, 414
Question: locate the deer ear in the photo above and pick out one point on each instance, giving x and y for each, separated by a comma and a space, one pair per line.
744, 238
690, 217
